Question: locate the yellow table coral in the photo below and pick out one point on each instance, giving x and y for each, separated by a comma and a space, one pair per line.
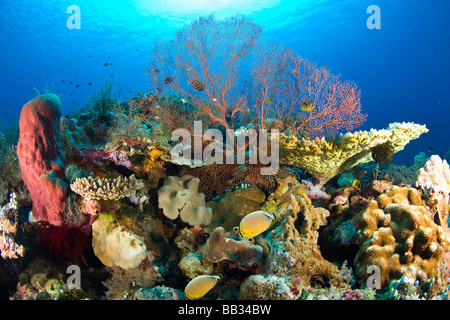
326, 158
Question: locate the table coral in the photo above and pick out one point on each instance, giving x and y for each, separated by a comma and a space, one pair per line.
397, 233
179, 196
106, 188
326, 158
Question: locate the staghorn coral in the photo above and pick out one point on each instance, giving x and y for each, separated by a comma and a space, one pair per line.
324, 159
179, 196
397, 233
106, 188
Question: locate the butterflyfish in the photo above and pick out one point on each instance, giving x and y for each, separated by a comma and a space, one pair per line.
256, 223
307, 106
201, 285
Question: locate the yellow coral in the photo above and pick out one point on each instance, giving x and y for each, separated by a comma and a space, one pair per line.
106, 188
325, 159
396, 232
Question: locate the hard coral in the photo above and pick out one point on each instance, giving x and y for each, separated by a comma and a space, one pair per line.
106, 188
326, 158
397, 233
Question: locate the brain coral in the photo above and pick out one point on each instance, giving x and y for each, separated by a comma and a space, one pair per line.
397, 233
179, 196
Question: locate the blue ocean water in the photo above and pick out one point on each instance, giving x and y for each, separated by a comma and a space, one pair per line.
402, 69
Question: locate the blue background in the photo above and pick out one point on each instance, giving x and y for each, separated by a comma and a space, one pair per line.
403, 69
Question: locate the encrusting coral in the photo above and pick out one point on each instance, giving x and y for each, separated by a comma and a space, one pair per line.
179, 196
397, 233
324, 159
106, 188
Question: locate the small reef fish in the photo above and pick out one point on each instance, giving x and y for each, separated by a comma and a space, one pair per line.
184, 101
201, 285
255, 223
356, 183
307, 106
270, 100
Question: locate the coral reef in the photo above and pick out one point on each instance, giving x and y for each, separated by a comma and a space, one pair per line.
41, 159
397, 233
179, 196
324, 159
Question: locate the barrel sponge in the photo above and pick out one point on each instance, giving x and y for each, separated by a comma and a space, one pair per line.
326, 158
179, 196
397, 233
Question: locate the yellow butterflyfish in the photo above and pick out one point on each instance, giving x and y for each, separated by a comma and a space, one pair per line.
256, 223
201, 285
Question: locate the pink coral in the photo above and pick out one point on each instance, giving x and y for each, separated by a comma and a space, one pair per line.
315, 191
40, 157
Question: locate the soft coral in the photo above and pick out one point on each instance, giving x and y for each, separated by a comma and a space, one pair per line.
62, 243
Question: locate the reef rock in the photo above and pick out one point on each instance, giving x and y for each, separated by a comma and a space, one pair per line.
40, 158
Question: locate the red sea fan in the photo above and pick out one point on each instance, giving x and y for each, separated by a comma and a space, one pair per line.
62, 243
